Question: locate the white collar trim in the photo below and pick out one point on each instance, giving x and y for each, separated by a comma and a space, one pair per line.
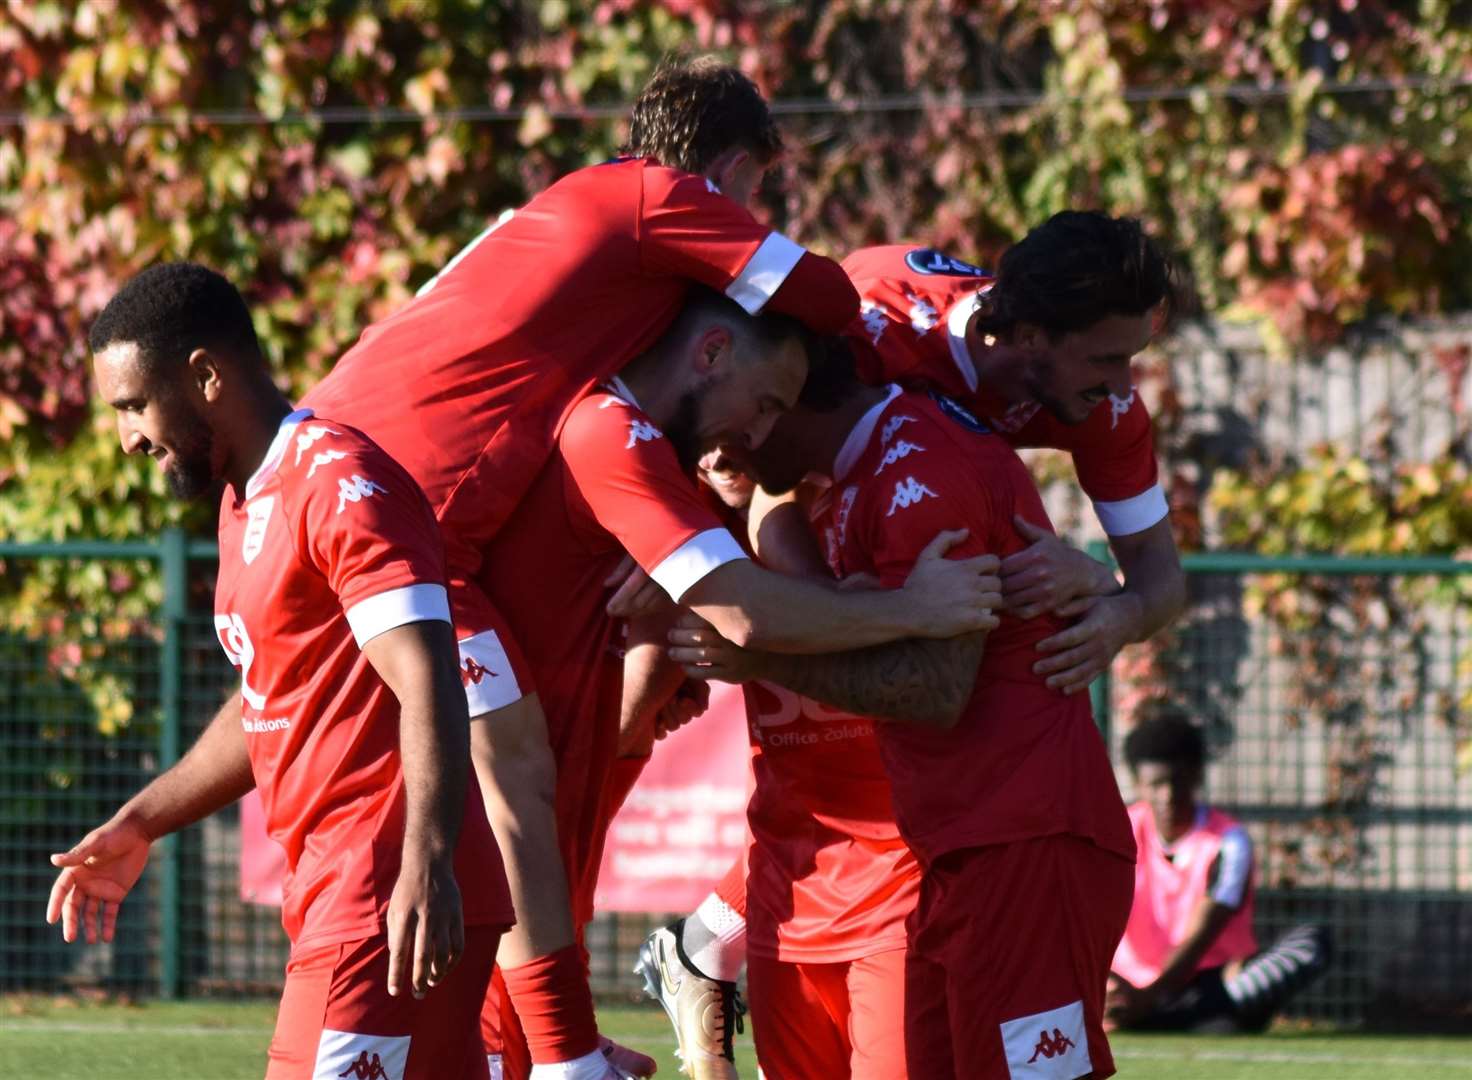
956, 322
858, 438
276, 452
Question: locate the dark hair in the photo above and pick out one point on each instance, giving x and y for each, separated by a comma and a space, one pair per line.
692, 111
832, 378
765, 331
1075, 269
1165, 734
171, 309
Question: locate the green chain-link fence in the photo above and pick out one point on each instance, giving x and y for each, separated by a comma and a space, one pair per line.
1333, 692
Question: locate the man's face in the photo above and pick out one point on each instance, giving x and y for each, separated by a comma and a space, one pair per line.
1170, 789
736, 401
722, 475
156, 417
781, 462
1073, 375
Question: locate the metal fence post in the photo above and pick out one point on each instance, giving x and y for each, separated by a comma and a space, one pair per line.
173, 555
1099, 689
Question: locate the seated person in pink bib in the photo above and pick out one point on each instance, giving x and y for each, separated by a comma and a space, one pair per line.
1189, 957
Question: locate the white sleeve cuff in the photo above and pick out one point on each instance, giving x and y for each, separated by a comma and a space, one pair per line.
397, 607
1135, 514
695, 558
765, 272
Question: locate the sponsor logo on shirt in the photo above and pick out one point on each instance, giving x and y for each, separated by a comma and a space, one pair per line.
258, 513
930, 261
325, 457
305, 440
960, 414
261, 727
355, 489
907, 493
894, 453
230, 628
642, 431
1120, 407
893, 424
875, 321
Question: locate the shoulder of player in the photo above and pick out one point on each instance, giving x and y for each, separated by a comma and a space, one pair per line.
326, 456
604, 416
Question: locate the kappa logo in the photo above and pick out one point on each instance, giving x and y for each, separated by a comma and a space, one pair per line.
845, 505
354, 489
1050, 1046
258, 515
893, 424
930, 261
305, 440
1120, 407
642, 431
899, 450
472, 673
875, 320
1016, 418
907, 493
326, 457
923, 316
366, 1068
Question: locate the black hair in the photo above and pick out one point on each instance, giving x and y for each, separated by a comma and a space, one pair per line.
832, 378
692, 111
766, 331
1165, 734
1075, 269
171, 309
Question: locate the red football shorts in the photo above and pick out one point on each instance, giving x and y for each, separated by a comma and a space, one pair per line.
1010, 948
492, 669
829, 1020
338, 1020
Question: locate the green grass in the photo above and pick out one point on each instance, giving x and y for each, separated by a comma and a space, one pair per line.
65, 1038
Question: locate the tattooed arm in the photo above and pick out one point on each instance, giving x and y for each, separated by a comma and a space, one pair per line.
921, 682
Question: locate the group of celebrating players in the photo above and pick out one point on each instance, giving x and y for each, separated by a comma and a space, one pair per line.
628, 440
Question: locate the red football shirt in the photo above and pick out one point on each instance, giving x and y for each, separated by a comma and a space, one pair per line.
466, 386
829, 878
330, 545
916, 304
1024, 761
614, 485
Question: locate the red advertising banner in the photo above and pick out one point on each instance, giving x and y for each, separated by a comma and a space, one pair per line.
678, 832
685, 821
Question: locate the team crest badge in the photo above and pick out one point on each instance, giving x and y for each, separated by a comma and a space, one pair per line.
259, 513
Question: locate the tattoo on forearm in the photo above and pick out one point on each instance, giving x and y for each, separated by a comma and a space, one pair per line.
913, 681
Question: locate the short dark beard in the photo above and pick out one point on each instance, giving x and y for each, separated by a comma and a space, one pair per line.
192, 474
1036, 384
683, 428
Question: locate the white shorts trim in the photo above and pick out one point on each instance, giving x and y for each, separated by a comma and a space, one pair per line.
695, 558
1052, 1045
344, 1053
1135, 514
486, 673
397, 607
765, 272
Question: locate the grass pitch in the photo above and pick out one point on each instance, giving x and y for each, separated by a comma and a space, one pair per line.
71, 1039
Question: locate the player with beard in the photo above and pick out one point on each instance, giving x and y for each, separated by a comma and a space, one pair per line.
350, 719
1042, 352
1001, 785
619, 481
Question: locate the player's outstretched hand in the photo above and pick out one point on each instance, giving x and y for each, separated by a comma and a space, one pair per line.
1076, 655
95, 876
626, 1064
426, 930
699, 648
636, 594
954, 596
1049, 574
